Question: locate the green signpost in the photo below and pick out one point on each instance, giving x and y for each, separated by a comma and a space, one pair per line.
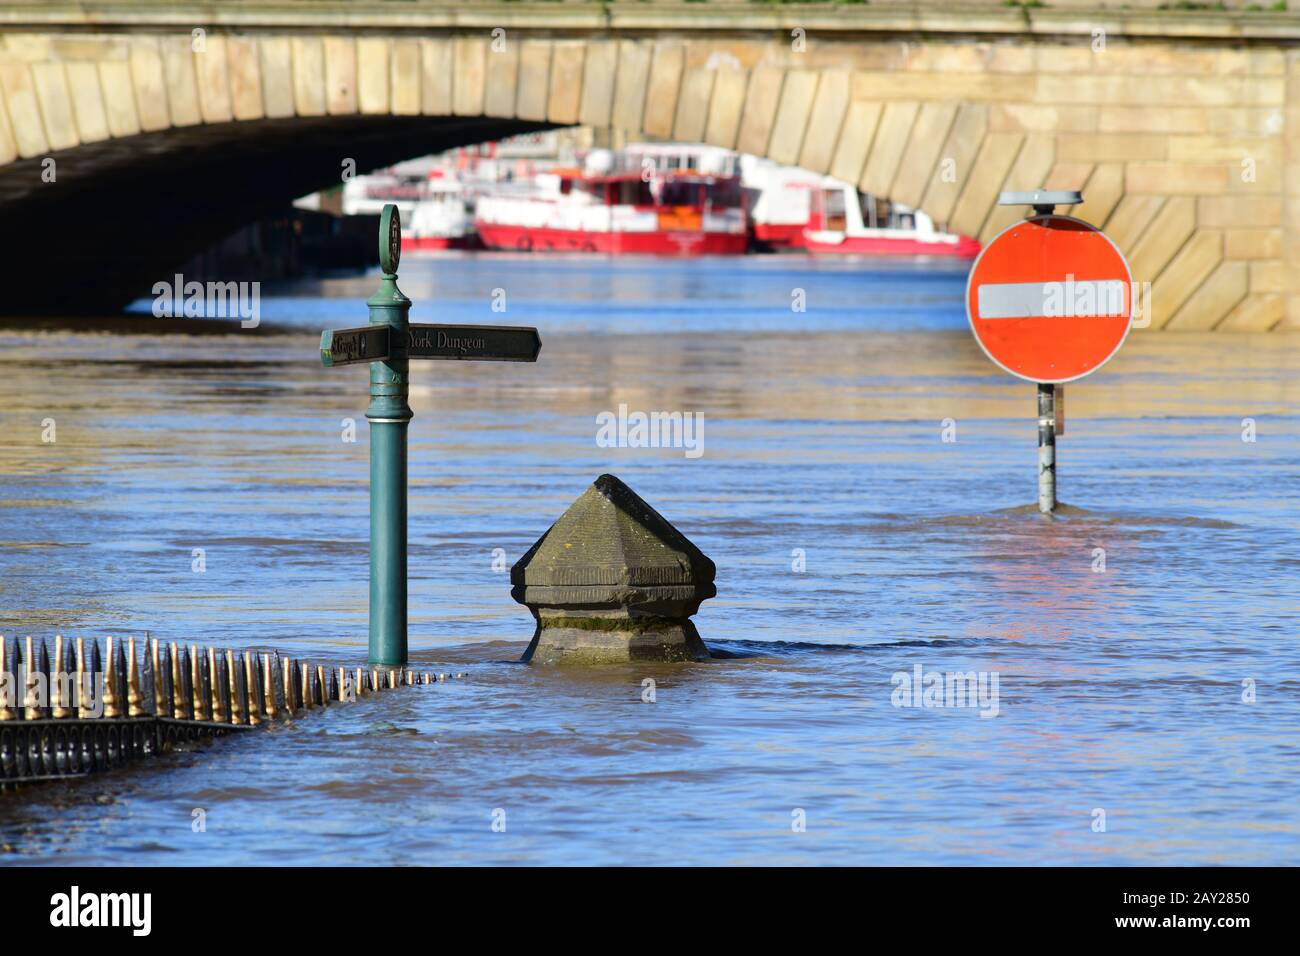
386, 346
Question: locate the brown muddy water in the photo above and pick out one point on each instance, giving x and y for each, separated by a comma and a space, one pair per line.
1144, 644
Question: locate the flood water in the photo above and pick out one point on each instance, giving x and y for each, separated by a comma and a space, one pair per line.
1146, 643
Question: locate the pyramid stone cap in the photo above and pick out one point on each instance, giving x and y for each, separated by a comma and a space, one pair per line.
611, 548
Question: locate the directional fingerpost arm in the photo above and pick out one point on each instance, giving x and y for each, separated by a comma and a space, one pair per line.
355, 346
474, 343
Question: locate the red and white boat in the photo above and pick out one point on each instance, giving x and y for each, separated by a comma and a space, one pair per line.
782, 201
678, 212
846, 222
440, 218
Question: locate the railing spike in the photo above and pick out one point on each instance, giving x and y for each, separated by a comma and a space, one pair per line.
271, 688
94, 678
220, 686
31, 708
203, 687
166, 693
70, 668
238, 689
112, 703
121, 685
85, 681
196, 683
253, 681
277, 686
182, 679
289, 678
8, 681
148, 681
134, 688
161, 704
58, 682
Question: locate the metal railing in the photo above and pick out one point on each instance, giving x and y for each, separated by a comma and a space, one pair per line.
72, 712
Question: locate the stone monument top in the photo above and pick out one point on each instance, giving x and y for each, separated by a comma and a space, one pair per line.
612, 579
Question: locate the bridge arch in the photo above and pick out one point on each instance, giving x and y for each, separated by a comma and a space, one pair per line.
171, 126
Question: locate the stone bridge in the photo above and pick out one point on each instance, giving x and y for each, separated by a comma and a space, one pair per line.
170, 124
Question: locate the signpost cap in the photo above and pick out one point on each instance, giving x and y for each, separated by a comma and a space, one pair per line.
1042, 197
390, 239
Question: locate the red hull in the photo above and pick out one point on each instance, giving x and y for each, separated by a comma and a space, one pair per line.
964, 248
786, 236
439, 242
665, 243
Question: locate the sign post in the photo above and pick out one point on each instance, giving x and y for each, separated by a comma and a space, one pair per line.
1050, 300
1046, 448
387, 345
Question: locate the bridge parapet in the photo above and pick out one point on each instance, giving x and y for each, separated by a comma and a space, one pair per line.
1179, 126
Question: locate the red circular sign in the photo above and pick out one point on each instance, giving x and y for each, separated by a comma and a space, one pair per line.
1050, 299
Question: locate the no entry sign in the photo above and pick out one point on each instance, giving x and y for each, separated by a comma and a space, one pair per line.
1050, 299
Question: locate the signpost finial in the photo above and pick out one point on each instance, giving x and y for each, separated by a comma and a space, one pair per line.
390, 240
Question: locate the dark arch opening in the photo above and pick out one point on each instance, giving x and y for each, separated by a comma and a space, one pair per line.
125, 213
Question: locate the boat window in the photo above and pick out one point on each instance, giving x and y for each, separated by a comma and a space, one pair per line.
681, 193
725, 193
880, 217
875, 211
632, 192
833, 204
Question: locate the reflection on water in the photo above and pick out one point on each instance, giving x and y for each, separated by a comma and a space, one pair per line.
1119, 690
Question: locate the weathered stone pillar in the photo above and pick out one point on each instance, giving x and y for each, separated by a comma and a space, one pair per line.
613, 581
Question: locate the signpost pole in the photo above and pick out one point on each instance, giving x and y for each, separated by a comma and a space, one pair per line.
1046, 408
387, 345
388, 414
1046, 448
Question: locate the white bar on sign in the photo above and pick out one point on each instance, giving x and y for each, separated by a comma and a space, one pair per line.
1089, 298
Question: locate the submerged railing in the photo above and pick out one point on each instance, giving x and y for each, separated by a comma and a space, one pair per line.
72, 712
